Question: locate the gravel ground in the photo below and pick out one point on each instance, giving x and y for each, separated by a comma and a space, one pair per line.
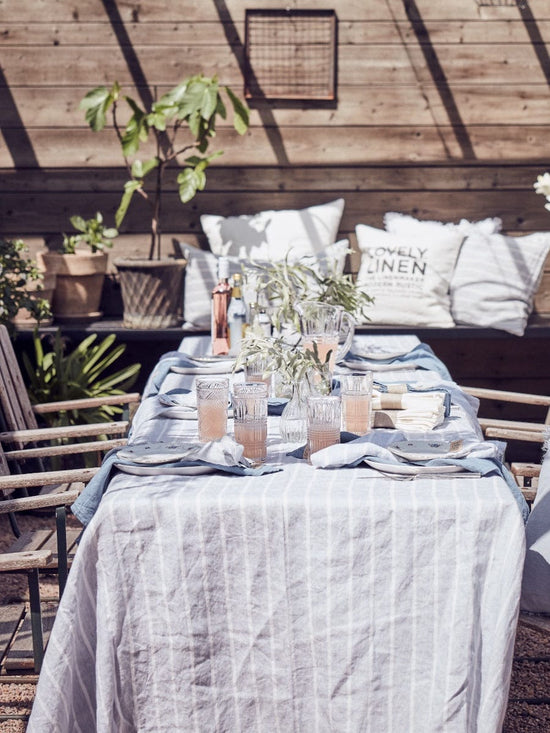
528, 707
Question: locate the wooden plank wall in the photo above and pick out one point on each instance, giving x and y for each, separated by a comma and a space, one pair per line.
443, 111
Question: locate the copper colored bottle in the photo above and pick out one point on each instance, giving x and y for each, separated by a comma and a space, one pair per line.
221, 296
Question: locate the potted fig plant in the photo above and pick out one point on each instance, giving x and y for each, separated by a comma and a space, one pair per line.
152, 288
79, 270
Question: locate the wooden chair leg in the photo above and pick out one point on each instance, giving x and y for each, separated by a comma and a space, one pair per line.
36, 619
61, 531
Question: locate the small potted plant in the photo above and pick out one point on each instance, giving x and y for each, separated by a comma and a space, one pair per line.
23, 295
80, 269
152, 288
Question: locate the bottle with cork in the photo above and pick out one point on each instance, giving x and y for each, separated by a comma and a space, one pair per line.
221, 297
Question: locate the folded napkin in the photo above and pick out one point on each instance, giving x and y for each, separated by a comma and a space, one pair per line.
422, 356
484, 458
223, 455
162, 369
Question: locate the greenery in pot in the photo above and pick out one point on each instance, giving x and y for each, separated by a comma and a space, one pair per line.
194, 106
90, 232
57, 375
19, 275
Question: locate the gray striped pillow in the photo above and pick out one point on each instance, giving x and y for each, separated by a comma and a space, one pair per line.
496, 278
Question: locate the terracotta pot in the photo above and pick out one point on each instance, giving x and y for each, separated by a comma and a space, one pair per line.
79, 282
152, 292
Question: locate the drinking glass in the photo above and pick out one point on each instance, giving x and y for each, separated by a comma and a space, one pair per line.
250, 419
356, 394
256, 369
324, 416
212, 400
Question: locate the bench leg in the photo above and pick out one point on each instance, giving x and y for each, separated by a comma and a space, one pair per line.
36, 619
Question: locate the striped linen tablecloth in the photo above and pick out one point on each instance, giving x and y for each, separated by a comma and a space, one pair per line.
304, 600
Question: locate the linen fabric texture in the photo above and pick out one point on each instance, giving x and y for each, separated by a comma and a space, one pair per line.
408, 276
496, 276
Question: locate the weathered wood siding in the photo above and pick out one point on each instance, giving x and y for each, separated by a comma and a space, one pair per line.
443, 111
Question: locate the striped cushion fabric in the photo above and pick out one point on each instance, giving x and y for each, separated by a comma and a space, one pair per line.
496, 278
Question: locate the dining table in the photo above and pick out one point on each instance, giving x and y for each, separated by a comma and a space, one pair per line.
359, 592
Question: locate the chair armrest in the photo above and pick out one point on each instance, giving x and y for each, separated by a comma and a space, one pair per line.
27, 560
504, 396
42, 501
66, 431
86, 402
65, 450
47, 478
528, 436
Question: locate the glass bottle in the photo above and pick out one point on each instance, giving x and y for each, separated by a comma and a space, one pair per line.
221, 297
236, 316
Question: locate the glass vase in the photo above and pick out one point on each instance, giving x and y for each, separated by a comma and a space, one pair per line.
293, 421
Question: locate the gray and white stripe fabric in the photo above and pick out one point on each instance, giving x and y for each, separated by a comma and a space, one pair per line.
308, 600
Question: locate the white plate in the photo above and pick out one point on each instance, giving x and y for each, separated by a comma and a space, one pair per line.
156, 470
211, 359
408, 469
374, 366
157, 453
426, 450
224, 367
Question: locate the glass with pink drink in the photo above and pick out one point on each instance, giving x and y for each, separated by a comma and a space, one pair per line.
212, 402
323, 422
250, 419
356, 393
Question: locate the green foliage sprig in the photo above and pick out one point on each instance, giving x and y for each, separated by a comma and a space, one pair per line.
282, 284
287, 360
92, 233
194, 105
17, 272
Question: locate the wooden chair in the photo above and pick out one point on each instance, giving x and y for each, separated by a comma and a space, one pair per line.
20, 426
525, 473
47, 552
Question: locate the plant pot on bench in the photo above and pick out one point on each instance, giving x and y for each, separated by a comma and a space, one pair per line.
152, 292
79, 282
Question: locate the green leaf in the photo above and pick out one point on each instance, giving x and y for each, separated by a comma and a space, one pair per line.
96, 103
210, 101
137, 129
241, 119
78, 223
190, 181
130, 187
140, 169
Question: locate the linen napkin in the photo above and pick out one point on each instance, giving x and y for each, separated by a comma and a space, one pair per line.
223, 455
483, 457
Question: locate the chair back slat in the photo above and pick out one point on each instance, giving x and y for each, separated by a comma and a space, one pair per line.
14, 399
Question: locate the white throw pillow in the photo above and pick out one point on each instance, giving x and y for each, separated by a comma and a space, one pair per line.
201, 275
405, 225
271, 235
496, 279
535, 591
408, 276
